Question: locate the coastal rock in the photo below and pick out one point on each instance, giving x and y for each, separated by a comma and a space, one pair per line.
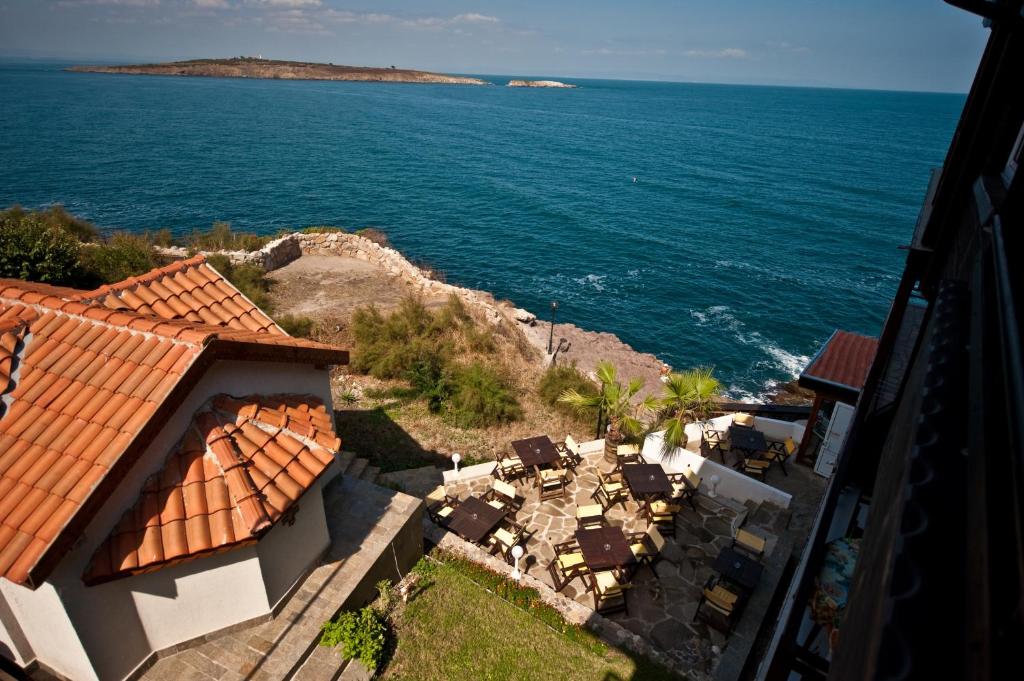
524, 316
539, 83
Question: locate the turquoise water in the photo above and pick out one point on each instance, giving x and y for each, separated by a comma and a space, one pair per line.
762, 218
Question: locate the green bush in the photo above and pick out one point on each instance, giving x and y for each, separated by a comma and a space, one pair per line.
161, 237
251, 280
220, 237
481, 398
559, 378
115, 259
58, 217
389, 347
361, 634
294, 325
33, 248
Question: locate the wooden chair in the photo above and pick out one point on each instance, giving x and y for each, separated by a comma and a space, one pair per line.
567, 565
503, 496
754, 467
743, 419
503, 539
552, 483
590, 516
508, 467
628, 454
662, 515
780, 451
611, 490
440, 505
647, 546
609, 592
685, 486
569, 453
713, 441
718, 606
749, 543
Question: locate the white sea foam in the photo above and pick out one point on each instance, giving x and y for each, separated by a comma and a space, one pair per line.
595, 281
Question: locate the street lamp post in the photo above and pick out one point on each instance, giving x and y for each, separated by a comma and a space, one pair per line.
551, 333
517, 553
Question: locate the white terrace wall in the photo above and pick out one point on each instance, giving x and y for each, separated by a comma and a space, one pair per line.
732, 483
106, 631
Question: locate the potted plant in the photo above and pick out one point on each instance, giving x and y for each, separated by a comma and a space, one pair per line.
687, 396
615, 401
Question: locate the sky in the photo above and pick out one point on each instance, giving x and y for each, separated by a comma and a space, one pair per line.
874, 44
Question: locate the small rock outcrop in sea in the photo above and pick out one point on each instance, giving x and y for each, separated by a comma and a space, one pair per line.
538, 83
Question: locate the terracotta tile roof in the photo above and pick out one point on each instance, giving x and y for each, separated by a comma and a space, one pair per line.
240, 466
843, 362
186, 289
82, 386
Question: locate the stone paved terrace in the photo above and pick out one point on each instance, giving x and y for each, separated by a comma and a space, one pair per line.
662, 605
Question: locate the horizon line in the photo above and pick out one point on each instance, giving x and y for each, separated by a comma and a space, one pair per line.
636, 79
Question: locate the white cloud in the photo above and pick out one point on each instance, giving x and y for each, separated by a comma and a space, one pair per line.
286, 3
211, 4
727, 53
112, 3
474, 18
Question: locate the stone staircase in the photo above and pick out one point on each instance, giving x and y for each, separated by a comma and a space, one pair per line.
357, 467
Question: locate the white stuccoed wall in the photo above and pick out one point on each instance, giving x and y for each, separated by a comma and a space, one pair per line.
732, 483
106, 631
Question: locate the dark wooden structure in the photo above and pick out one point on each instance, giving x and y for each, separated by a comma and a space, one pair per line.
935, 450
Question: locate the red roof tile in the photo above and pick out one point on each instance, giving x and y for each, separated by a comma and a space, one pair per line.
186, 289
79, 383
239, 467
843, 361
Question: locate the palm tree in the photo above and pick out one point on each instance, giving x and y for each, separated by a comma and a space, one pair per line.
616, 402
688, 396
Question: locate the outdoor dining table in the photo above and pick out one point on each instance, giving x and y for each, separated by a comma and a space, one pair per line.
747, 439
737, 568
647, 480
474, 519
604, 548
536, 451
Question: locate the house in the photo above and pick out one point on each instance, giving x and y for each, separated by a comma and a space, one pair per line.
163, 445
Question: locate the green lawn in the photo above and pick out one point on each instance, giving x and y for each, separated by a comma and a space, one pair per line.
456, 629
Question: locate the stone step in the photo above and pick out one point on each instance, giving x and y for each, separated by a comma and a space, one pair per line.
370, 474
344, 459
356, 468
323, 664
355, 671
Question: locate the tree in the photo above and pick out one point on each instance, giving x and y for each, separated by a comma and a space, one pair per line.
688, 396
33, 249
616, 402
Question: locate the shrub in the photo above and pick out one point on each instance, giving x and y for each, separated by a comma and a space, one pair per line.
361, 634
57, 216
389, 347
294, 325
251, 280
121, 256
559, 378
33, 248
375, 235
161, 237
481, 398
220, 237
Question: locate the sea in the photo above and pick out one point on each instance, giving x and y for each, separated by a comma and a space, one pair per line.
713, 225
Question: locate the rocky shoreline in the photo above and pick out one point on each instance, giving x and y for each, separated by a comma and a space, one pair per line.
581, 346
245, 67
539, 83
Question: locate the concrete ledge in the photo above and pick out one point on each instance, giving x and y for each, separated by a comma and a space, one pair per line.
469, 472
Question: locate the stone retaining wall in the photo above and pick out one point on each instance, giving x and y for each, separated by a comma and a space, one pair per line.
280, 252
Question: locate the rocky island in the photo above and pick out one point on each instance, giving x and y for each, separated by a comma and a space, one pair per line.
538, 83
250, 67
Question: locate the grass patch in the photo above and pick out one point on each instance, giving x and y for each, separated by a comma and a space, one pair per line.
220, 237
375, 235
322, 229
295, 325
470, 623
